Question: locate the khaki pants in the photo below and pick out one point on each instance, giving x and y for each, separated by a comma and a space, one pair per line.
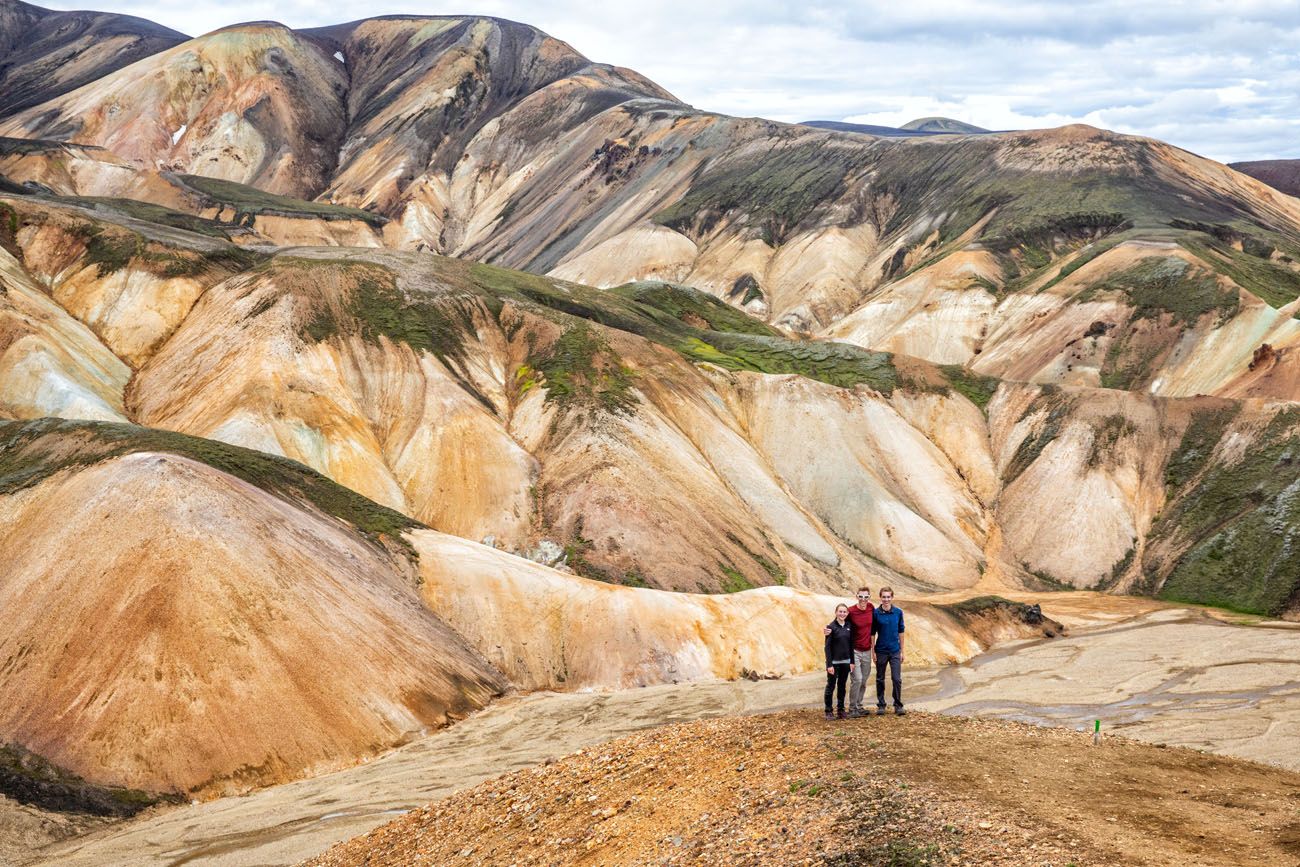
861, 666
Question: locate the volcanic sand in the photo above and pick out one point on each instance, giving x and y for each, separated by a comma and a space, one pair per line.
1171, 675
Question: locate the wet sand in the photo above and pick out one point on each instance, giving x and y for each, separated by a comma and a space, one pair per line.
1171, 675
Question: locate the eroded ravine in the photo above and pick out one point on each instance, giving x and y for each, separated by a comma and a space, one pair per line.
1170, 676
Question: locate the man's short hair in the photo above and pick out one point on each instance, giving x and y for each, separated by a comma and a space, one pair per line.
889, 590
864, 589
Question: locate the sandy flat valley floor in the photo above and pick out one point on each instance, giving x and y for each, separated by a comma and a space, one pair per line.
1165, 675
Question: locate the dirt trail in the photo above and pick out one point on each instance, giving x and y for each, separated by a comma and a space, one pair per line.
1172, 675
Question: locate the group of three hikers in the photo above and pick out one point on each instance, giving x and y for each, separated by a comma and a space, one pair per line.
856, 635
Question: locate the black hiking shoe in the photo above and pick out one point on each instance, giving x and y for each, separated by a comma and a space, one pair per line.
830, 715
880, 711
898, 711
841, 715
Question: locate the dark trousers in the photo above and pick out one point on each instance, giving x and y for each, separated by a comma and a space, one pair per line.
895, 663
835, 684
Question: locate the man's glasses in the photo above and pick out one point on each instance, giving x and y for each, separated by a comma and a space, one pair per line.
861, 596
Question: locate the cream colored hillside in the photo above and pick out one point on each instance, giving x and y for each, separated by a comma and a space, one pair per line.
649, 435
187, 616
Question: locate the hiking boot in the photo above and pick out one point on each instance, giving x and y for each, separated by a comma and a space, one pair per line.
880, 711
830, 715
841, 715
898, 711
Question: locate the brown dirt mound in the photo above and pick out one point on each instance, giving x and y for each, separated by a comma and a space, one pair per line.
791, 788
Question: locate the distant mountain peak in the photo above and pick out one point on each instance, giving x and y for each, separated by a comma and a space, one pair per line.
942, 124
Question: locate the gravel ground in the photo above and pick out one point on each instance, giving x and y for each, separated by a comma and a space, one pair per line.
792, 788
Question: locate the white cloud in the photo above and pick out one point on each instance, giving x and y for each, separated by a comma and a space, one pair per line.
1217, 77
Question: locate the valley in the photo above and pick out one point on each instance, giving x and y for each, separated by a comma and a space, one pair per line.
1160, 675
413, 411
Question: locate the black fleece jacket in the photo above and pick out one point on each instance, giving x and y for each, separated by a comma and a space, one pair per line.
839, 644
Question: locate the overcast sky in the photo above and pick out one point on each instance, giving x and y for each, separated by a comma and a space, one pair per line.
1219, 78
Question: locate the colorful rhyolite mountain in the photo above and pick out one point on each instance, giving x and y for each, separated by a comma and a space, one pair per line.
279, 413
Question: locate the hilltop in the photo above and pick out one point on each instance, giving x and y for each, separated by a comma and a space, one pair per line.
790, 788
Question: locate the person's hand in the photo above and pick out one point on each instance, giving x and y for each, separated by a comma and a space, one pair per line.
850, 667
826, 630
830, 669
900, 657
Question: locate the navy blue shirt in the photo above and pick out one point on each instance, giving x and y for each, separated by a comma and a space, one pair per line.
887, 626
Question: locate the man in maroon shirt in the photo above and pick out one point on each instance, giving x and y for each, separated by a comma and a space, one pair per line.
860, 622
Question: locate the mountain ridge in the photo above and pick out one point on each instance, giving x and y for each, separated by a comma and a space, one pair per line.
381, 328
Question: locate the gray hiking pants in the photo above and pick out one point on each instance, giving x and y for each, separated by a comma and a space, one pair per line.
861, 666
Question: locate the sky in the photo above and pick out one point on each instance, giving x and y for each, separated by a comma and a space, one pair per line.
1218, 78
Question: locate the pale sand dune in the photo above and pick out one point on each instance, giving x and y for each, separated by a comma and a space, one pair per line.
1240, 696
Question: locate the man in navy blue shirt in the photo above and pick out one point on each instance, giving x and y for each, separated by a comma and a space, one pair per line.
887, 643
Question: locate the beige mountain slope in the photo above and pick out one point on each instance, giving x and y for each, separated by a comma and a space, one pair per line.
645, 435
260, 623
51, 363
265, 623
550, 630
1282, 175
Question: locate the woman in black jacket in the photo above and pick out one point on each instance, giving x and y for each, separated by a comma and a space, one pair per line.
839, 658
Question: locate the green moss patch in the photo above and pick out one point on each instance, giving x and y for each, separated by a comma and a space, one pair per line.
1203, 432
838, 364
249, 202
376, 307
688, 305
111, 251
30, 779
9, 226
582, 366
110, 248
1171, 286
151, 213
1057, 406
1241, 523
580, 370
733, 581
1251, 268
1107, 435
773, 193
1132, 359
976, 388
